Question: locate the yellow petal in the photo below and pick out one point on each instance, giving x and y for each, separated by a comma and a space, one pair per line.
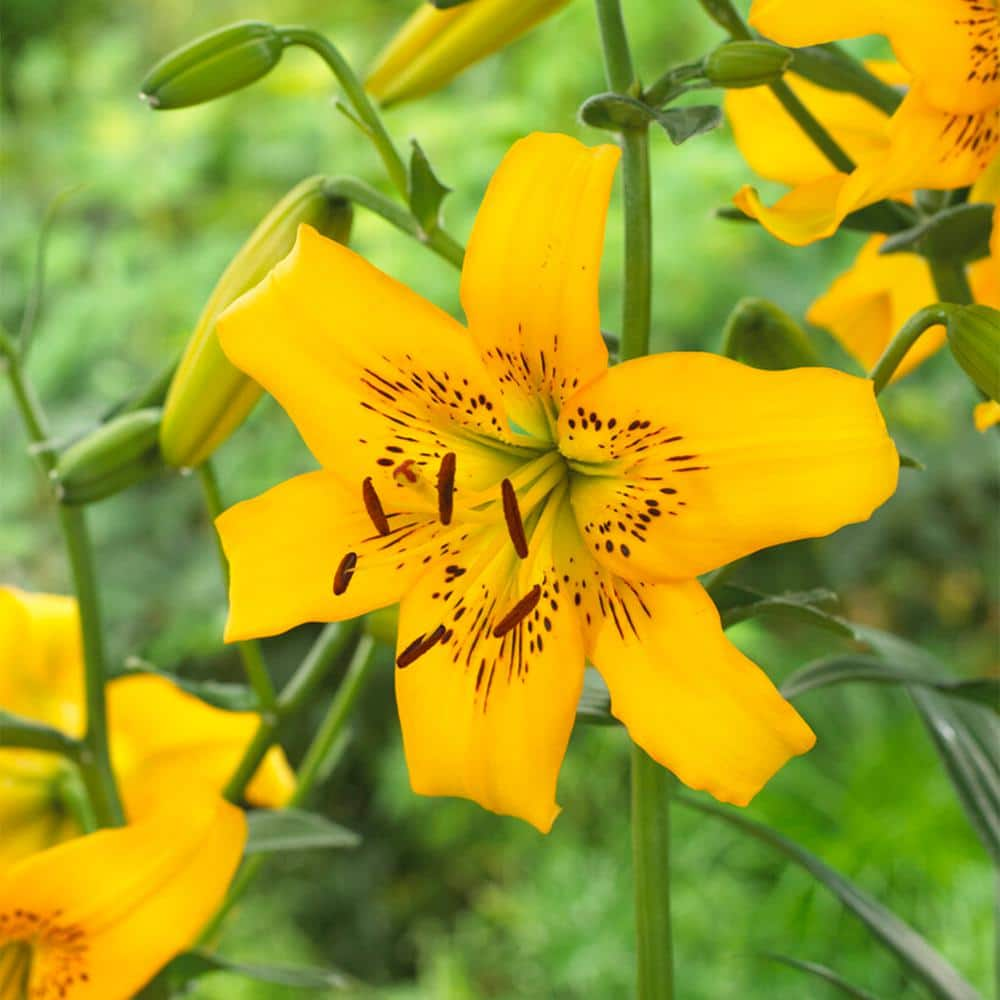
488, 718
373, 376
161, 735
865, 307
114, 907
986, 415
775, 146
530, 280
949, 46
927, 149
436, 45
700, 460
693, 701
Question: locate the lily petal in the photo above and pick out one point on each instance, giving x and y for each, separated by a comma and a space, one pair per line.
484, 717
950, 46
284, 548
111, 909
698, 460
693, 701
162, 735
530, 280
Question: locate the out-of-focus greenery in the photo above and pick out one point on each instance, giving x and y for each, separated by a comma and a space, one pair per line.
444, 900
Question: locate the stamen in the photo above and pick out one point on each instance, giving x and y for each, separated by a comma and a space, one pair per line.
519, 612
374, 507
446, 488
344, 573
512, 515
422, 644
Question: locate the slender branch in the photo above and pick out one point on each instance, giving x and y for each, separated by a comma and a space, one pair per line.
27, 734
249, 649
831, 67
900, 345
950, 281
618, 66
355, 92
637, 307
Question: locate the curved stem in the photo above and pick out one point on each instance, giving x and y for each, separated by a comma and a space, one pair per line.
249, 649
950, 281
898, 347
27, 734
355, 92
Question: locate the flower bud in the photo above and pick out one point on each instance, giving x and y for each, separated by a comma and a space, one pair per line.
760, 334
209, 397
436, 45
974, 338
214, 65
737, 65
117, 455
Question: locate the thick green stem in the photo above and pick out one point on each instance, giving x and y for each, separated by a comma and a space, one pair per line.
355, 93
898, 347
250, 653
652, 787
651, 784
359, 193
950, 282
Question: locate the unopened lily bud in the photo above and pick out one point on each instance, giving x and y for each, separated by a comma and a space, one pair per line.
760, 334
737, 65
120, 453
208, 397
214, 65
974, 338
436, 45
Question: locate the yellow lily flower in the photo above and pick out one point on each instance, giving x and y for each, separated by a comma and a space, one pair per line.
98, 917
434, 46
986, 415
529, 507
942, 136
160, 736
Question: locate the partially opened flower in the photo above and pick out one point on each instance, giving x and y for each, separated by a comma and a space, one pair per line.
161, 738
529, 507
435, 45
944, 133
98, 917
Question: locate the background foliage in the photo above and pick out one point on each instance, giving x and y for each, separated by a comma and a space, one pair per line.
443, 900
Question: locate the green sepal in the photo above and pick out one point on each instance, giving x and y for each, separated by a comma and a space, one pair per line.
213, 65
760, 334
959, 234
271, 830
116, 455
618, 112
737, 65
425, 192
974, 339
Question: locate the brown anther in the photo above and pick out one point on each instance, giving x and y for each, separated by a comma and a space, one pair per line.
512, 515
519, 612
344, 573
446, 488
374, 507
419, 646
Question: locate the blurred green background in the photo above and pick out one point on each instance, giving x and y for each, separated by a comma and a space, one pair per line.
444, 900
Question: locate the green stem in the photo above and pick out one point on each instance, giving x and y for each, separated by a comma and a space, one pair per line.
249, 650
898, 347
359, 193
26, 734
652, 787
651, 784
831, 67
355, 92
950, 282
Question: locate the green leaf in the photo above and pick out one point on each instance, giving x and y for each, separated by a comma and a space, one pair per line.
426, 192
594, 706
824, 973
919, 957
273, 830
192, 964
842, 669
813, 607
682, 124
960, 234
615, 112
219, 694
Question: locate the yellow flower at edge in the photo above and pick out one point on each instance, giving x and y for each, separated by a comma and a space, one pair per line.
986, 415
161, 738
530, 507
942, 136
98, 917
434, 46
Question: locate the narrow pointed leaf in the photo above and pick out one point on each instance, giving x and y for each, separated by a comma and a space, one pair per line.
918, 956
218, 694
824, 973
594, 706
294, 830
192, 964
813, 607
426, 192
